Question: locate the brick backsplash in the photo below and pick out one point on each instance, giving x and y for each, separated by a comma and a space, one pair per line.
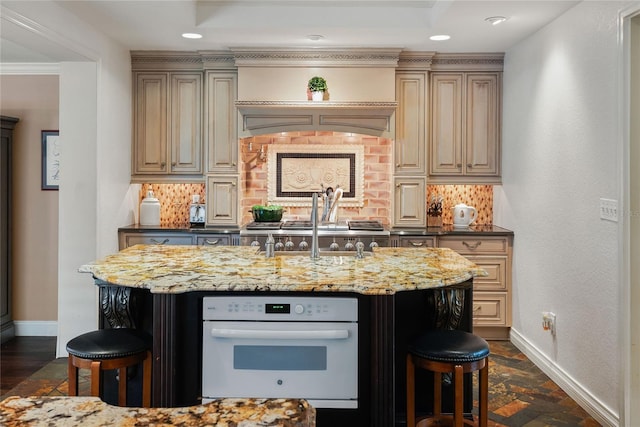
378, 172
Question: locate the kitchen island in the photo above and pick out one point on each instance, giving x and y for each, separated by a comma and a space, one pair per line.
401, 291
91, 411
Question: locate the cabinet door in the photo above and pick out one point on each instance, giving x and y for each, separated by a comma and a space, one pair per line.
222, 200
482, 125
150, 124
445, 155
410, 143
186, 123
409, 202
221, 122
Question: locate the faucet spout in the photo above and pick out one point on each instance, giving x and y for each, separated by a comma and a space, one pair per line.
315, 250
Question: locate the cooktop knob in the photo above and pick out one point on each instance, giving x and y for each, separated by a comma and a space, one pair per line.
299, 309
255, 243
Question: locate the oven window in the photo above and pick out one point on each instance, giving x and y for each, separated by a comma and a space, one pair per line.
280, 358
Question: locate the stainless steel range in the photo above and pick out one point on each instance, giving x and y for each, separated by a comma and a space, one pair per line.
296, 235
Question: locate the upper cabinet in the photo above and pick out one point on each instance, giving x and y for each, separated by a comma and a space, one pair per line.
464, 143
167, 117
410, 142
221, 122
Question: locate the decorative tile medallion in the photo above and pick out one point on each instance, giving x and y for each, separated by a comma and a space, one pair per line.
294, 172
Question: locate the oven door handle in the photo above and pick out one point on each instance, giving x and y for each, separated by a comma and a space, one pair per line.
329, 334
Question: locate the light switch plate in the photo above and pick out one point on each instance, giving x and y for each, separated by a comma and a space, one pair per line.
609, 210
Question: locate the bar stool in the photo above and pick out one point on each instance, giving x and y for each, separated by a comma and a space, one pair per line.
448, 351
107, 349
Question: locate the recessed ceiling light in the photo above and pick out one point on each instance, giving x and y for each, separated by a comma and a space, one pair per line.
192, 35
495, 20
315, 37
440, 37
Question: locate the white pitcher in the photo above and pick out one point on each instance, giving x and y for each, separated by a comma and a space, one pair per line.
463, 215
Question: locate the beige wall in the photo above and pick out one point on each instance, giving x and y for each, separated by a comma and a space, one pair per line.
34, 100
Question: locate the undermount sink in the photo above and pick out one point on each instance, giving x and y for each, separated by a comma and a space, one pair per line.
322, 253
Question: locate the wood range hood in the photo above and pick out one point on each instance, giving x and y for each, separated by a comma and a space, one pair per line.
272, 91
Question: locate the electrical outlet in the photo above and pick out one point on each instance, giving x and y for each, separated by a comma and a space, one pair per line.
609, 210
549, 322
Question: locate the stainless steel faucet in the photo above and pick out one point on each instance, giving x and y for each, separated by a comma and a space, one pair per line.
315, 250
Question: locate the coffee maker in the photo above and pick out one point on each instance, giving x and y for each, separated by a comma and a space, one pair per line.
197, 212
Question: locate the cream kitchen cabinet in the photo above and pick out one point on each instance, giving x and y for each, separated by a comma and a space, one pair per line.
222, 200
410, 142
409, 207
221, 122
167, 120
491, 294
464, 143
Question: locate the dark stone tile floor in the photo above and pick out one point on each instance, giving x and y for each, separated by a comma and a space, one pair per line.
520, 395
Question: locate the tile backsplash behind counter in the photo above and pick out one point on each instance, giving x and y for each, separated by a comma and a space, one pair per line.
176, 198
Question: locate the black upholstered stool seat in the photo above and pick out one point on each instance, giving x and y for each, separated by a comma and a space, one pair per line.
448, 351
107, 349
449, 346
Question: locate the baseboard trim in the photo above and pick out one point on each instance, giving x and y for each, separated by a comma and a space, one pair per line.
29, 328
598, 410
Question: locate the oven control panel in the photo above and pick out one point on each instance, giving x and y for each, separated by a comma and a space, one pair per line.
280, 308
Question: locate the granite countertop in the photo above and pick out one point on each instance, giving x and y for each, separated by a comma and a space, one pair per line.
64, 411
178, 269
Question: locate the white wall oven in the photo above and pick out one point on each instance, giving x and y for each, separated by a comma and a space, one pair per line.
281, 347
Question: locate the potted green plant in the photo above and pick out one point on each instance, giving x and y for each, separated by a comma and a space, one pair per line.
317, 86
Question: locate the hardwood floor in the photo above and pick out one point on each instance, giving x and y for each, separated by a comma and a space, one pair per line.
23, 356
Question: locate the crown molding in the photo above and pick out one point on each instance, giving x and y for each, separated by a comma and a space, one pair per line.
31, 68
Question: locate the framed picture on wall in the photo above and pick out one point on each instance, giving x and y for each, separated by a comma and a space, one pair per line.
50, 160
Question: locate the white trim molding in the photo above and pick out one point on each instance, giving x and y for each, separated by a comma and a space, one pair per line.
597, 409
45, 68
36, 328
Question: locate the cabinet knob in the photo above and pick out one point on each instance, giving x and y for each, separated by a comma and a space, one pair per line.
173, 164
162, 164
459, 165
469, 165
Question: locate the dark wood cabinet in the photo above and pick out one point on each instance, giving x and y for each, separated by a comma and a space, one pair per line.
6, 141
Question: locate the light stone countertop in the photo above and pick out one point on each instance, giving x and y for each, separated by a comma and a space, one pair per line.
178, 269
63, 411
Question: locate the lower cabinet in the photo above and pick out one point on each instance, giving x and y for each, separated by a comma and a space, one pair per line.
153, 238
130, 238
491, 294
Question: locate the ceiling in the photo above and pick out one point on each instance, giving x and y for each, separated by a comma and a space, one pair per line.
224, 24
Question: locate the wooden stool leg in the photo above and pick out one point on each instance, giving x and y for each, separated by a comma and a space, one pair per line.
122, 386
72, 372
411, 392
437, 394
483, 404
458, 390
146, 381
95, 378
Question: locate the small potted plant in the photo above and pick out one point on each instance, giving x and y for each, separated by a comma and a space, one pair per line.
317, 86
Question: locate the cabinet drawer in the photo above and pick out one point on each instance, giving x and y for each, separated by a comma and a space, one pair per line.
490, 309
476, 245
496, 268
214, 240
156, 239
417, 242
